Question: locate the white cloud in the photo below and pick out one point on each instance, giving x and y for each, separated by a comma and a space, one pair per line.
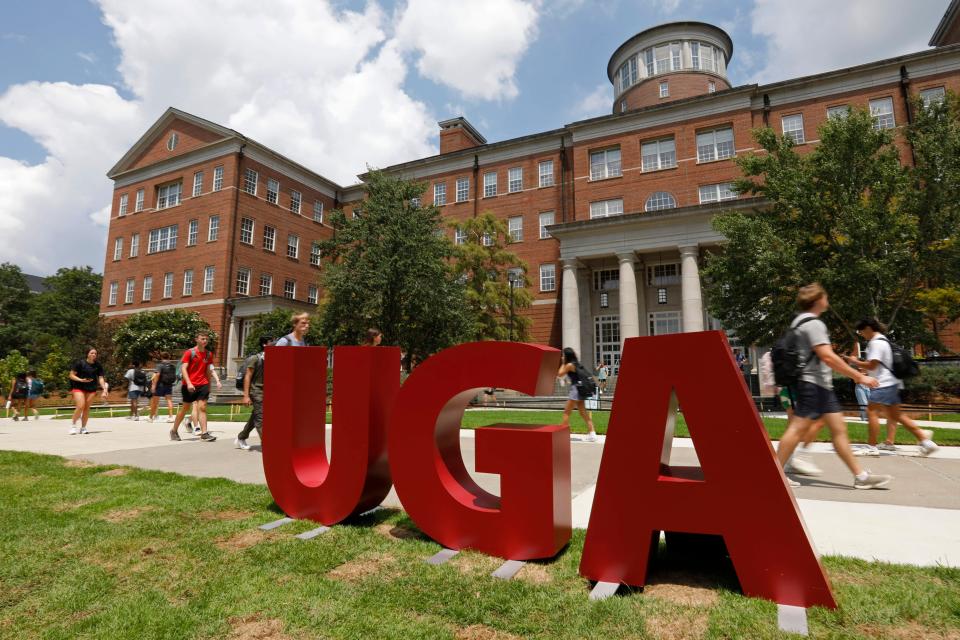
472, 47
87, 56
596, 103
826, 34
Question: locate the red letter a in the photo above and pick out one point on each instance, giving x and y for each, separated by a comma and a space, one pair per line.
739, 492
303, 481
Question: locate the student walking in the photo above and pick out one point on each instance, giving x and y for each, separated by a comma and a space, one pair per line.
602, 373
85, 375
136, 383
798, 464
373, 338
19, 390
33, 394
576, 398
196, 366
886, 397
161, 386
253, 395
813, 396
297, 338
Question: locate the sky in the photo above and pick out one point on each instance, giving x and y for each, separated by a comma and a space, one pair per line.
339, 85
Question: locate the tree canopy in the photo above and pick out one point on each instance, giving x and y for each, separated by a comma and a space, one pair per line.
146, 335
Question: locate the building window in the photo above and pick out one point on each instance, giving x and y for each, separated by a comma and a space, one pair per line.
717, 192
440, 194
217, 178
250, 178
623, 106
246, 231
315, 254
840, 111
934, 95
628, 74
490, 184
128, 295
168, 284
463, 189
243, 281
663, 275
188, 282
664, 322
123, 205
114, 288
486, 240
135, 245
266, 284
515, 180
172, 141
295, 200
208, 273
515, 276
659, 154
695, 55
708, 60
318, 211
662, 295
546, 173
664, 89
197, 183
293, 246
605, 164
290, 289
660, 200
716, 144
459, 236
793, 127
147, 288
192, 227
213, 228
546, 219
162, 239
138, 204
548, 277
168, 195
606, 340
604, 299
515, 226
606, 208
711, 86
312, 294
606, 279
117, 249
273, 191
269, 238
882, 111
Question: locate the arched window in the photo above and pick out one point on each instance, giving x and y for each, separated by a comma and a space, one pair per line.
660, 200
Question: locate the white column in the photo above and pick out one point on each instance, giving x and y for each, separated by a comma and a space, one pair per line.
233, 342
570, 316
629, 309
691, 299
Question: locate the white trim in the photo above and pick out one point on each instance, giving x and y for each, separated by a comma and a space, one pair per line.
164, 307
263, 157
197, 156
550, 301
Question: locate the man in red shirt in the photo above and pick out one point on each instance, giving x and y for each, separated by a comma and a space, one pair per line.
194, 367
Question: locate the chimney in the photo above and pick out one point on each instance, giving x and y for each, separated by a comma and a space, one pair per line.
457, 134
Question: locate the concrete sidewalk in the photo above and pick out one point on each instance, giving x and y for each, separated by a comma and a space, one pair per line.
915, 521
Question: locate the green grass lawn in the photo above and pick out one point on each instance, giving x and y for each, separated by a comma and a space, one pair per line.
106, 552
947, 417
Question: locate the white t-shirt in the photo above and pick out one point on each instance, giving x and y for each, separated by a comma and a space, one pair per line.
879, 349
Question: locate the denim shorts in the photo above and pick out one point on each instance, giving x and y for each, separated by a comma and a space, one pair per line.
889, 395
812, 401
133, 395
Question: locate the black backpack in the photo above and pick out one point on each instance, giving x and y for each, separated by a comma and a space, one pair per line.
21, 388
168, 374
586, 385
139, 378
904, 365
788, 362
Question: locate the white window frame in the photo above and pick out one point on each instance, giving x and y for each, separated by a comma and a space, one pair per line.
218, 178
250, 180
209, 275
290, 289
792, 127
515, 180
243, 281
664, 274
313, 294
315, 254
114, 290
606, 280
660, 200
147, 289
659, 318
548, 277
716, 192
162, 239
122, 209
658, 154
193, 228
838, 111
606, 208
463, 189
293, 246
439, 194
664, 89
490, 184
932, 95
134, 245
168, 284
709, 149
266, 284
546, 218
296, 201
459, 236
711, 86
213, 228
605, 163
273, 191
882, 111
168, 195
130, 291
117, 249
172, 141
269, 238
246, 231
188, 282
318, 211
486, 239
197, 183
138, 203
545, 173
515, 228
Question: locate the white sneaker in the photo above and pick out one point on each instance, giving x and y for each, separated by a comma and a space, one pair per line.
83, 431
196, 431
136, 418
150, 419
803, 467
793, 483
591, 437
927, 449
169, 418
927, 434
872, 481
867, 450
241, 444
73, 431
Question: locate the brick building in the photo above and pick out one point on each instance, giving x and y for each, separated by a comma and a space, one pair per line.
610, 215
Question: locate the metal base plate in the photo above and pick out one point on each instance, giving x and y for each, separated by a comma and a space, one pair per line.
442, 556
275, 524
792, 619
603, 590
508, 569
313, 533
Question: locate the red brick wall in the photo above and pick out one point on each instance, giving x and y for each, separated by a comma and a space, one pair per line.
455, 139
190, 137
682, 85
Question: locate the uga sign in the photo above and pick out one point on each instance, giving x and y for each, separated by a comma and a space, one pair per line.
409, 437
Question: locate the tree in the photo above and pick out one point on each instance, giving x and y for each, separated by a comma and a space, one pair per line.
482, 263
390, 267
146, 335
276, 324
10, 366
835, 215
15, 299
71, 301
55, 370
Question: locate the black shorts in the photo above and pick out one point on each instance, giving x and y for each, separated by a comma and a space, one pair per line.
163, 390
201, 392
812, 401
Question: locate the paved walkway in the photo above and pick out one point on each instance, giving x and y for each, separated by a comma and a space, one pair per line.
915, 521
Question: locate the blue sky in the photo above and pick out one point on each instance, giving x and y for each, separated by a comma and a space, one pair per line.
339, 85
